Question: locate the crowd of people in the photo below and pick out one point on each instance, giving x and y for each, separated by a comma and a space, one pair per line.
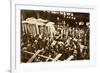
74, 41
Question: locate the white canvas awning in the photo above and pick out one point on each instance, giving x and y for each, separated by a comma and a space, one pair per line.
42, 20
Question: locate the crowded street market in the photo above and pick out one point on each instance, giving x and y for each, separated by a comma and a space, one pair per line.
54, 36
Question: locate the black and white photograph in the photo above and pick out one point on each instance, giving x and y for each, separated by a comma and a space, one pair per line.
48, 36
52, 36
